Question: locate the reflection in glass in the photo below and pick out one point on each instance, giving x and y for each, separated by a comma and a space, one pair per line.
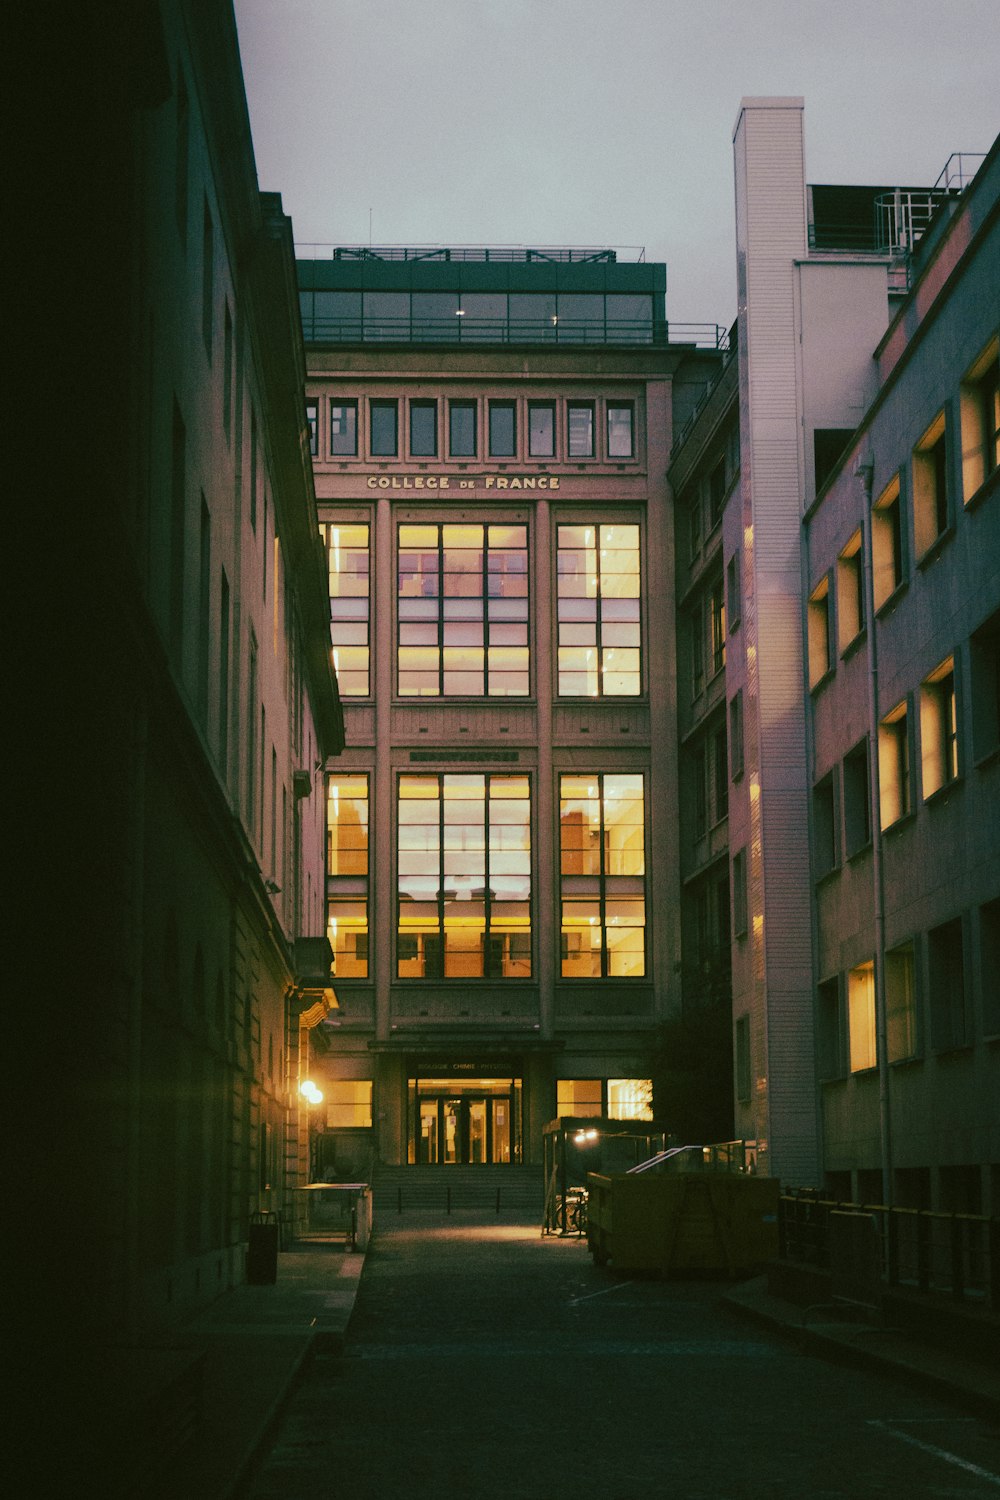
347, 874
598, 588
602, 870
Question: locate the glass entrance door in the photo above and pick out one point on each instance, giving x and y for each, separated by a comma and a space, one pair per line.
459, 1123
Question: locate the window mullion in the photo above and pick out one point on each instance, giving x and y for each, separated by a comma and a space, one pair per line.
487, 944
440, 889
597, 632
484, 600
440, 612
602, 893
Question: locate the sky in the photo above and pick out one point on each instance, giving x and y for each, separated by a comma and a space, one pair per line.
596, 122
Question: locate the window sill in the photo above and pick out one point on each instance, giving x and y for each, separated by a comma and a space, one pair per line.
870, 1072
983, 762
901, 822
859, 852
888, 605
826, 875
955, 1049
905, 1062
815, 688
990, 484
933, 552
942, 794
854, 645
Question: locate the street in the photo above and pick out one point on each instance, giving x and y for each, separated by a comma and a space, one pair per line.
484, 1361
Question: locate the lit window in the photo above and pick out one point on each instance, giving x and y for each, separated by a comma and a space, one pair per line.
383, 418
717, 606
861, 1017
464, 874
462, 429
980, 406
887, 543
630, 1099
819, 633
930, 486
503, 429
349, 1105
900, 1003
850, 593
580, 1097
602, 863
463, 611
581, 431
894, 765
938, 729
347, 875
541, 430
348, 566
598, 603
343, 429
620, 437
423, 429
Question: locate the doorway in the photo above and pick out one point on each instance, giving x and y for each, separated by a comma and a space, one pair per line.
465, 1122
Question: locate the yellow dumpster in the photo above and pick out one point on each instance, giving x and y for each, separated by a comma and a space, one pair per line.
695, 1221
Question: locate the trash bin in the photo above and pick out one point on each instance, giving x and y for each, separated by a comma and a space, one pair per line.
262, 1250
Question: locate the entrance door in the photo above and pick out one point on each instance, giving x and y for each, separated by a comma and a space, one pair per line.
459, 1124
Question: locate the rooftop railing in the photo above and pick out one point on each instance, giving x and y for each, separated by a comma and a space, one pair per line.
503, 254
468, 331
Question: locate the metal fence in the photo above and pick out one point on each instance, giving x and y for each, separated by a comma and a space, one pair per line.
923, 1250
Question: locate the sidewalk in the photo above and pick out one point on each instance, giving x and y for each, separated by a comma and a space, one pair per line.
255, 1341
969, 1382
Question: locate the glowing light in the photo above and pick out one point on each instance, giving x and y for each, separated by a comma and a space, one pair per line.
309, 1091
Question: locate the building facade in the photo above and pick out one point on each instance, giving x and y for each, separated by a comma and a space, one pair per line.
856, 542
490, 440
201, 699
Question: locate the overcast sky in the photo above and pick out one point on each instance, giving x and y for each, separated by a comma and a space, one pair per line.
597, 122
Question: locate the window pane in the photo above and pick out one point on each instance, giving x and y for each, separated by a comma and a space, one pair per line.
383, 428
581, 318
541, 431
532, 316
581, 432
423, 429
386, 315
434, 316
344, 428
462, 429
484, 317
348, 570
629, 317
503, 443
619, 432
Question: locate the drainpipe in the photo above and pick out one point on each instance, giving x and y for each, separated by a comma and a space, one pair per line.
864, 470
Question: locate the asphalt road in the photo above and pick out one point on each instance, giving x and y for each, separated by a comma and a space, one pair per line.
484, 1361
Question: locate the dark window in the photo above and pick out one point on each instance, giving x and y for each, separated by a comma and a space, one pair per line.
581, 431
620, 434
830, 1026
312, 422
541, 430
629, 317
503, 429
857, 800
333, 315
720, 773
581, 318
386, 316
383, 418
700, 790
828, 448
734, 599
736, 735
423, 429
824, 826
717, 492
482, 318
435, 317
739, 889
743, 1068
462, 429
532, 317
717, 605
985, 676
946, 973
344, 429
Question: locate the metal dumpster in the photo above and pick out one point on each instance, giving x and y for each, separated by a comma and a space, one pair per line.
696, 1221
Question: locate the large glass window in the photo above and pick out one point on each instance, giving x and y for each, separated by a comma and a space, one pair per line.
598, 602
435, 316
348, 566
629, 317
580, 421
464, 877
532, 316
861, 1017
463, 611
581, 318
602, 865
386, 315
343, 429
347, 874
349, 1105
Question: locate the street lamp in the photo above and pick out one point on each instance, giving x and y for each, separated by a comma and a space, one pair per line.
312, 1095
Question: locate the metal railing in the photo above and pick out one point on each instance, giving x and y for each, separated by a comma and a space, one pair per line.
465, 330
502, 254
923, 1250
959, 170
